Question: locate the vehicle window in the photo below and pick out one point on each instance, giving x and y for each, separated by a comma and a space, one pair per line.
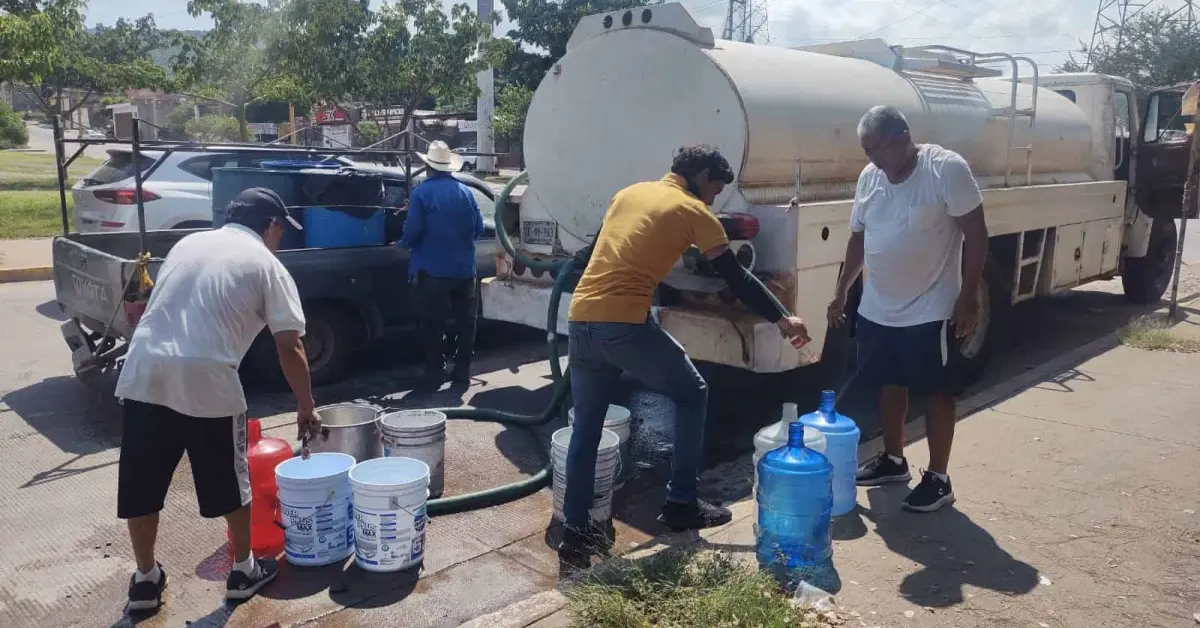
199, 166
1069, 94
202, 166
1121, 112
118, 167
1164, 121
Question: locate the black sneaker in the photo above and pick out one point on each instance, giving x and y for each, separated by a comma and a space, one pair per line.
146, 595
584, 543
239, 586
930, 495
882, 470
695, 515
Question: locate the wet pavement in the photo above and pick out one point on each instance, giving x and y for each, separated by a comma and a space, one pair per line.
67, 559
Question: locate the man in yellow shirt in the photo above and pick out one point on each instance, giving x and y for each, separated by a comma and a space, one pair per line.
647, 228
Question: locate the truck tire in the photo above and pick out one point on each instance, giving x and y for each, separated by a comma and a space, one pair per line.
329, 340
995, 305
1145, 279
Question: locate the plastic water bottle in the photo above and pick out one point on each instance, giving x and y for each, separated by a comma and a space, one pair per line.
794, 494
775, 436
841, 447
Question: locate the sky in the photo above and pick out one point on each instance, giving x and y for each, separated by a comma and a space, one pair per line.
1046, 30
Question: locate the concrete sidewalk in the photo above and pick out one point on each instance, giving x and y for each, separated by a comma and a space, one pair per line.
25, 260
1076, 509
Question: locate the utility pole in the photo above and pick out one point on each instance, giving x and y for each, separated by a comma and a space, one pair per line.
485, 137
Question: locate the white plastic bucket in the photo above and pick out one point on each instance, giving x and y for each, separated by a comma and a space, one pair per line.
389, 513
315, 508
617, 419
608, 463
419, 434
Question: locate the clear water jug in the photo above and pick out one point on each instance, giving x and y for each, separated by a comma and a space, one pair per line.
841, 447
775, 435
794, 494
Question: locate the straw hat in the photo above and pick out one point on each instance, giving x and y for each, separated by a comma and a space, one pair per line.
440, 157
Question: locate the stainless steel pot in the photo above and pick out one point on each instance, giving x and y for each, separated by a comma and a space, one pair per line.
349, 428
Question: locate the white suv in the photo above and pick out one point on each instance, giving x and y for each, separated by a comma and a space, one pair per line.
176, 191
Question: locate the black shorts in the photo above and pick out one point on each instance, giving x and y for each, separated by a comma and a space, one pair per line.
922, 358
154, 439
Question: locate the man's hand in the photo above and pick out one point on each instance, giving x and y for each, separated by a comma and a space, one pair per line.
308, 424
793, 327
966, 313
836, 314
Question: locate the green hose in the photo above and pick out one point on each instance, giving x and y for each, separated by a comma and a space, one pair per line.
563, 270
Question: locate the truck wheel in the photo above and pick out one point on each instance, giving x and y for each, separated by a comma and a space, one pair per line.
995, 304
329, 339
1145, 279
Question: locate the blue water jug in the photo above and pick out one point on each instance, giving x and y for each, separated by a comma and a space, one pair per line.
794, 494
841, 447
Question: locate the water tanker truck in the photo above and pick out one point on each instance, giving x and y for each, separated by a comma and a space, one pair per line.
1055, 157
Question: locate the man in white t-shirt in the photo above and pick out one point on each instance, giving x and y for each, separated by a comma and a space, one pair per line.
918, 227
180, 390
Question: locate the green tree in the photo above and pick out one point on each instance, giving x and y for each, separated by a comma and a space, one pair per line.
233, 60
511, 106
414, 51
178, 119
47, 49
543, 29
214, 129
370, 131
13, 133
1156, 50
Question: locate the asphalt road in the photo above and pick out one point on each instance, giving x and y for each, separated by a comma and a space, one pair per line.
67, 560
42, 138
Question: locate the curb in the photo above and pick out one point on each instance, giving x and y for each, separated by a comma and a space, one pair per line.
541, 605
28, 273
521, 614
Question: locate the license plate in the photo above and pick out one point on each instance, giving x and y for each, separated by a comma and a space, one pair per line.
539, 232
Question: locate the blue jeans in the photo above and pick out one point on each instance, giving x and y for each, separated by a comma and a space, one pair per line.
599, 352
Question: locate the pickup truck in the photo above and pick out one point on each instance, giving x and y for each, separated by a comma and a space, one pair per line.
350, 296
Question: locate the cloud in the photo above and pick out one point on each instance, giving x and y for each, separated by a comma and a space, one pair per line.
1043, 29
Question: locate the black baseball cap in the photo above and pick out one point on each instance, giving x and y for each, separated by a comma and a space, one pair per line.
260, 203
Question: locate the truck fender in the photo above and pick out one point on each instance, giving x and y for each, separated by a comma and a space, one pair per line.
1136, 240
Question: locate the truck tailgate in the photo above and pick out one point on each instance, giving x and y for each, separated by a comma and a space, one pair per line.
89, 285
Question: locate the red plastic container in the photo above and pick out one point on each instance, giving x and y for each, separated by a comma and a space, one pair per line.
266, 538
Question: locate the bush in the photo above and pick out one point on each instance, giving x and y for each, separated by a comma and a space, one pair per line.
213, 129
13, 133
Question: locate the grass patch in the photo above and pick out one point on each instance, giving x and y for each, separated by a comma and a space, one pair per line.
678, 588
1154, 332
32, 214
35, 171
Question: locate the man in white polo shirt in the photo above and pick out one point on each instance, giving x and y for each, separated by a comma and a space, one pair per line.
918, 226
180, 389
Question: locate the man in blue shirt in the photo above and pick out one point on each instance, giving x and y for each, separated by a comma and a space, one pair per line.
441, 228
